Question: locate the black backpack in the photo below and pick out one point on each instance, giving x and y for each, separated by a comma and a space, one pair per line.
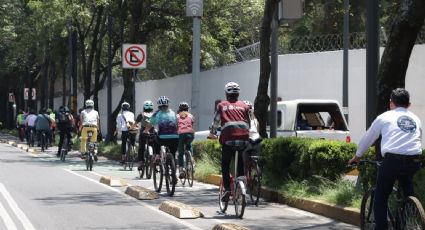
63, 118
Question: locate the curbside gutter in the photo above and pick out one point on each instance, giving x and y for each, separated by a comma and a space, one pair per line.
337, 212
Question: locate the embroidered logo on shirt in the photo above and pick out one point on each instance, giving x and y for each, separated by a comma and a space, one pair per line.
406, 124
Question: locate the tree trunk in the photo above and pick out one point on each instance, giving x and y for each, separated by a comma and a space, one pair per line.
395, 59
52, 77
262, 99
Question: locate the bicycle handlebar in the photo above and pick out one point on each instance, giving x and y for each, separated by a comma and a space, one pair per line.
364, 162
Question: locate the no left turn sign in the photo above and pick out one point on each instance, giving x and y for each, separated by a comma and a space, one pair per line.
134, 56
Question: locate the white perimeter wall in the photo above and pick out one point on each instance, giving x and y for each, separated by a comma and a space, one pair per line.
311, 75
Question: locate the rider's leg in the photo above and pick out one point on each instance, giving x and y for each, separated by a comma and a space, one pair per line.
83, 140
141, 150
181, 150
226, 157
384, 185
405, 177
124, 136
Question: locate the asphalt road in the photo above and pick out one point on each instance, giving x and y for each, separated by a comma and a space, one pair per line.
37, 191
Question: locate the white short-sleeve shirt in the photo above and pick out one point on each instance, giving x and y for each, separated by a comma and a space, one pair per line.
89, 117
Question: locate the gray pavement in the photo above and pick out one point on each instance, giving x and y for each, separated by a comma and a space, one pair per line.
52, 194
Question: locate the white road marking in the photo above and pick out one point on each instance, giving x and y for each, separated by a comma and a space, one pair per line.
155, 209
7, 219
15, 208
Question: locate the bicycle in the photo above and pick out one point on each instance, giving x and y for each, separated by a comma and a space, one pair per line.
65, 148
130, 155
146, 166
237, 186
166, 168
407, 213
43, 139
31, 138
91, 151
253, 172
188, 166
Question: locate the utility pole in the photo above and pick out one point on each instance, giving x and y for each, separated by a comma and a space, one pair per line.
273, 76
194, 8
345, 58
372, 60
109, 105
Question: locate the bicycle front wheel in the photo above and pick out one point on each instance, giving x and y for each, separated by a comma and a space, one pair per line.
223, 204
367, 218
254, 182
157, 176
239, 199
148, 159
413, 214
189, 168
170, 174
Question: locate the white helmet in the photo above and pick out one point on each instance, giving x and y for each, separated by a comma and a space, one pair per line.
147, 105
232, 87
162, 101
89, 103
125, 105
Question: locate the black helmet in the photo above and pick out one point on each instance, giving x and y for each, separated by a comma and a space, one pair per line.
183, 106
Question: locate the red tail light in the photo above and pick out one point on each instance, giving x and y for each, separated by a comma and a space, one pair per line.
348, 139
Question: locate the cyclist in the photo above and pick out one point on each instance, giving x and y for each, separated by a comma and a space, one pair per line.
143, 118
233, 117
52, 116
166, 120
254, 145
401, 132
30, 123
64, 121
186, 133
124, 122
20, 124
90, 121
42, 124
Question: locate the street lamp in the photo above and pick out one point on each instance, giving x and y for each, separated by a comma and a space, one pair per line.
288, 11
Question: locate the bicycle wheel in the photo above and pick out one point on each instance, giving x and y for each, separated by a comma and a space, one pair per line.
413, 214
239, 199
367, 218
43, 141
64, 149
170, 174
254, 182
131, 158
141, 169
189, 168
90, 162
157, 176
223, 204
148, 159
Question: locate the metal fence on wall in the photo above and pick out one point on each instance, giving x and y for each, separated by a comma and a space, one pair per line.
320, 43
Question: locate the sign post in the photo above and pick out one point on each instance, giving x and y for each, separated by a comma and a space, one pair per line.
194, 8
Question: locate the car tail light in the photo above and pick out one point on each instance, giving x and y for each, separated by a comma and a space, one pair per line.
348, 139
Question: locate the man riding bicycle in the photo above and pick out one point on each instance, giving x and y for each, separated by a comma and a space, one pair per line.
30, 124
20, 124
233, 117
144, 119
64, 122
90, 122
125, 120
166, 120
401, 132
43, 123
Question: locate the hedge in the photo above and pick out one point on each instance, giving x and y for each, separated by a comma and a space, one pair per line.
291, 157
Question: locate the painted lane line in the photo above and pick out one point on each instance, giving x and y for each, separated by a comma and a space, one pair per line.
7, 219
15, 208
155, 209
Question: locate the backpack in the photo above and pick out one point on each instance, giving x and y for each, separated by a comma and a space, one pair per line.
63, 118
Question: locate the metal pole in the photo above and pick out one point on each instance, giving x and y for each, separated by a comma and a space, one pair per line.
372, 60
273, 77
345, 59
109, 103
70, 63
196, 68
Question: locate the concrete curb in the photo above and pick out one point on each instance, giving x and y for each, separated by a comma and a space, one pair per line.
113, 182
141, 193
344, 214
228, 226
180, 210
